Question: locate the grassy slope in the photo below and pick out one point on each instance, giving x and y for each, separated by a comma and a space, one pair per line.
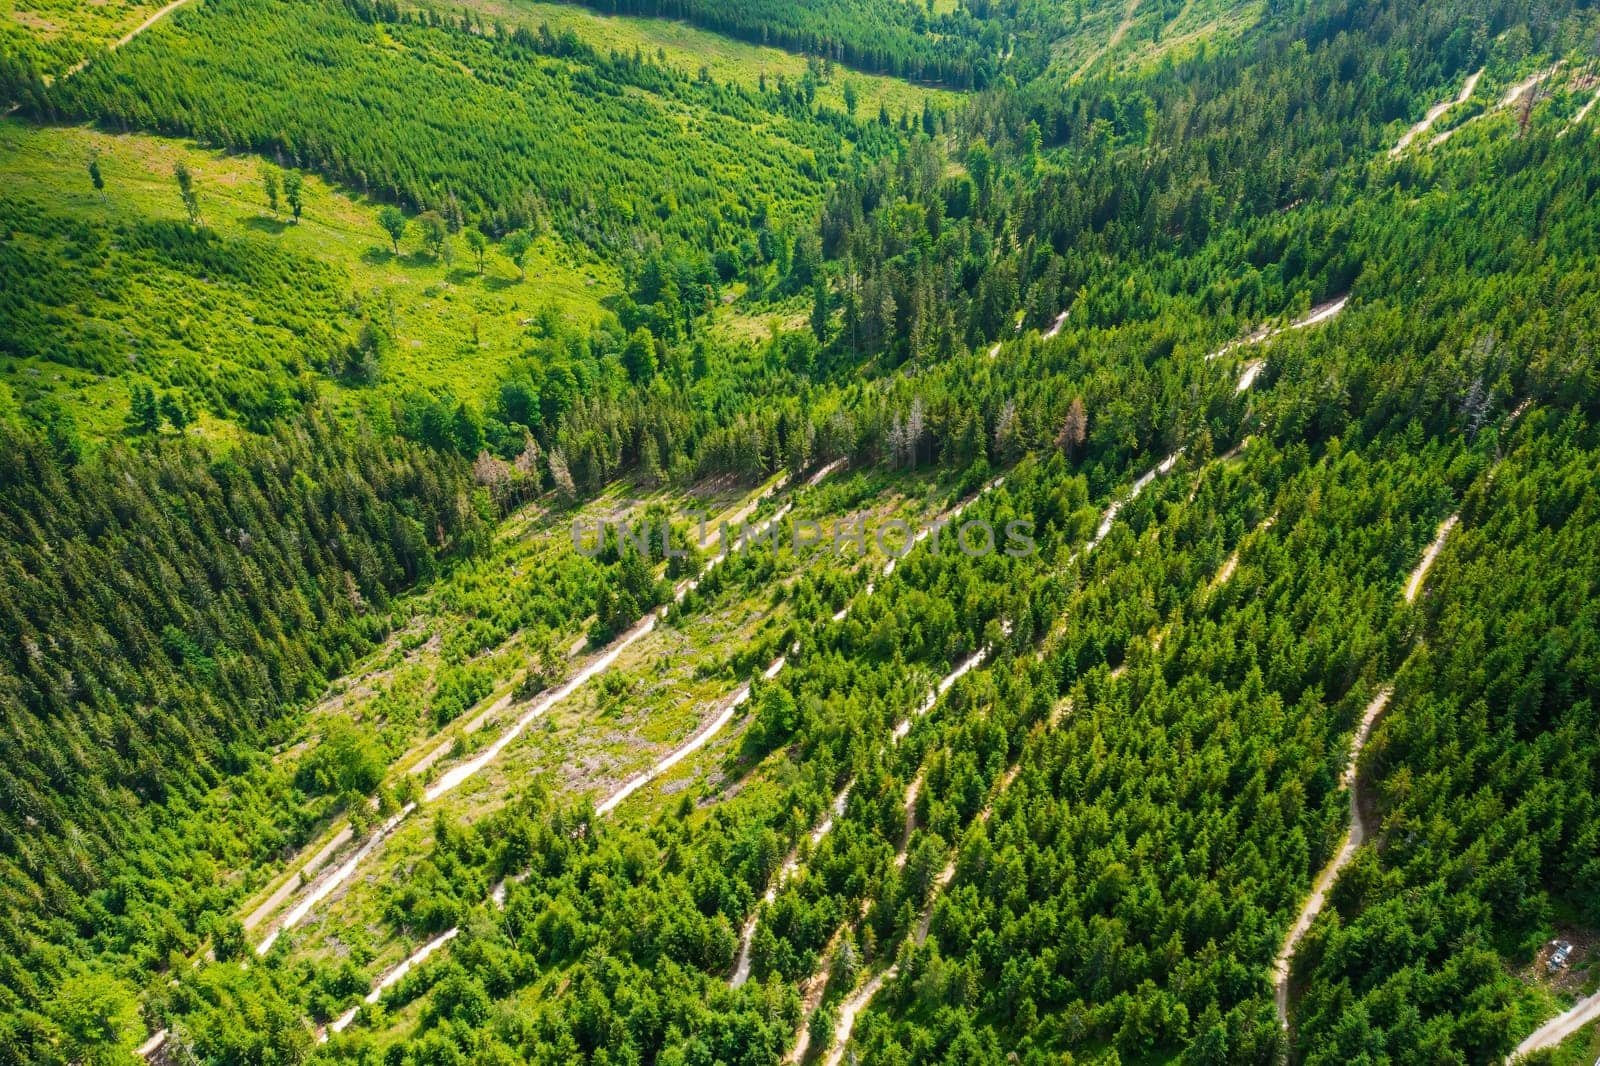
1151, 35
55, 34
659, 693
689, 49
436, 308
392, 692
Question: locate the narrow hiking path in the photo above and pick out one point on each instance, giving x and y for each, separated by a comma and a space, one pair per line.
112, 46
389, 980
1231, 565
1434, 114
1252, 371
323, 887
1049, 334
971, 663
1414, 586
157, 1041
1109, 519
1350, 780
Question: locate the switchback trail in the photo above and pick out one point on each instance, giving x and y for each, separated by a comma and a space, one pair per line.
858, 1001
791, 864
1511, 97
1433, 116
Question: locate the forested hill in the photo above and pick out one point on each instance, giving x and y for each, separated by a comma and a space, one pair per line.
1275, 328
166, 612
547, 126
957, 47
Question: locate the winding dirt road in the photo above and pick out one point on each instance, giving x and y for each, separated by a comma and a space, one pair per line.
1353, 839
1559, 1028
1433, 116
1350, 780
1116, 38
1317, 315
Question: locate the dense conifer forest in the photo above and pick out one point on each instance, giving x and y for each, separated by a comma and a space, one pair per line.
329, 330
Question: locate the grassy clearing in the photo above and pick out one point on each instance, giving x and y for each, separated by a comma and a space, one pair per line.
55, 34
1580, 1049
689, 49
1150, 36
1198, 23
450, 645
436, 309
658, 694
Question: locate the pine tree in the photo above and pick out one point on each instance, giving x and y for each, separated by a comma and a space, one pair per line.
176, 411
144, 415
1074, 429
820, 309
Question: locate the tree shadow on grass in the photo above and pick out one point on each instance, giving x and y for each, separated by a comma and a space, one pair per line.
266, 224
